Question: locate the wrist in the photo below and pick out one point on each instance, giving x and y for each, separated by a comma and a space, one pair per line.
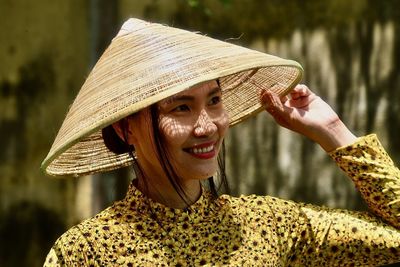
334, 136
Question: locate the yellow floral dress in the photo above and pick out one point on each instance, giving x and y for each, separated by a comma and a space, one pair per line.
248, 230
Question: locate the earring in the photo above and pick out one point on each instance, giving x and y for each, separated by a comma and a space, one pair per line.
133, 152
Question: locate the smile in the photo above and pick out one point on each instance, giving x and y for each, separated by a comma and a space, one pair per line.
204, 151
201, 150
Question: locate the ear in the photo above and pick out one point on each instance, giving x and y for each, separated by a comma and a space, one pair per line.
122, 129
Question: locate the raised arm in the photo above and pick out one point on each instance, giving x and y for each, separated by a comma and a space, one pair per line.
334, 237
366, 162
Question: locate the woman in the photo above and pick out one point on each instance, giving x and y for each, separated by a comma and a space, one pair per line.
162, 99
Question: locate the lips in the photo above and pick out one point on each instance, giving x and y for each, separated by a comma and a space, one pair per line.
202, 151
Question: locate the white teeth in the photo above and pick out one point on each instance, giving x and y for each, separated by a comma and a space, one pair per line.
202, 150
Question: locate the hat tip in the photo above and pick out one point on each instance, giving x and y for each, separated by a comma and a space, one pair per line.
131, 25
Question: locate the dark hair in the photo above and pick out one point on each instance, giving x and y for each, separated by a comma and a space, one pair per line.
112, 140
115, 144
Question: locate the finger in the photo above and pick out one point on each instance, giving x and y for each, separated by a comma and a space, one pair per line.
274, 106
300, 90
268, 101
284, 99
265, 98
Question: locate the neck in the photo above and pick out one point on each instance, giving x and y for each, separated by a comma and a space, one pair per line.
162, 191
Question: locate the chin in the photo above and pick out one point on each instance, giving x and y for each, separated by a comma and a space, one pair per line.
197, 171
203, 175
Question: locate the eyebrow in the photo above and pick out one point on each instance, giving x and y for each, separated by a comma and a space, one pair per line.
172, 99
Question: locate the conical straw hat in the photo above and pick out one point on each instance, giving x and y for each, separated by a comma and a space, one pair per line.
145, 63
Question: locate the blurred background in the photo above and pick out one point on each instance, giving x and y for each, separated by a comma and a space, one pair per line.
350, 51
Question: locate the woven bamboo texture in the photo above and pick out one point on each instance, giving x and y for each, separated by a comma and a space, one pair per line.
148, 62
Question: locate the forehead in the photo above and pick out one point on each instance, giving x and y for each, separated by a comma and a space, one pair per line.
204, 89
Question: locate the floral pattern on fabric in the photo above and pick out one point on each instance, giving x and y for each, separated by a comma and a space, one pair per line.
247, 230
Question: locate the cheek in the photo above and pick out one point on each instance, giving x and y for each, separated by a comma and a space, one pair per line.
174, 132
223, 123
142, 133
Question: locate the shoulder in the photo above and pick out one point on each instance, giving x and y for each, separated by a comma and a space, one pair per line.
265, 206
97, 236
269, 219
256, 201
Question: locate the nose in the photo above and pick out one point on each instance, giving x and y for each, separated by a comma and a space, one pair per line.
204, 125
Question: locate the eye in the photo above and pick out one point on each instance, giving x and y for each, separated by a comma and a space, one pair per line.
181, 108
215, 100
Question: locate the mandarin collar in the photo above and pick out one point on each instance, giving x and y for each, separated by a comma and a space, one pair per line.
204, 209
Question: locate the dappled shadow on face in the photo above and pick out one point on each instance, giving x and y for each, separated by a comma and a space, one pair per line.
172, 129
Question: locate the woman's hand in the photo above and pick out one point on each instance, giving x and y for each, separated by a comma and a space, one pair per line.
309, 115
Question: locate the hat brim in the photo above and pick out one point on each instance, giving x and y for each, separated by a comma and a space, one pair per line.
150, 63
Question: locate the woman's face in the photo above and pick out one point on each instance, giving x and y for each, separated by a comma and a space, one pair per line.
192, 124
